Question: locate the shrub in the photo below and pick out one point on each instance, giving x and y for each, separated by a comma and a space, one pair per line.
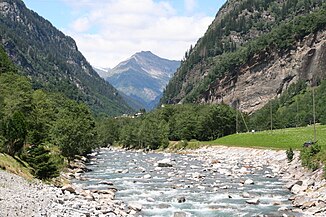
307, 157
289, 154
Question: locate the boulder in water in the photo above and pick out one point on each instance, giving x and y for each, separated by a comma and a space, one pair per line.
179, 214
253, 201
181, 199
164, 163
147, 176
249, 182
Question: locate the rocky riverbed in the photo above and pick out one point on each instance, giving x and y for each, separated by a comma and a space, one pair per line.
215, 181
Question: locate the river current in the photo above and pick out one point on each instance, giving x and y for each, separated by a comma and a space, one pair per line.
191, 187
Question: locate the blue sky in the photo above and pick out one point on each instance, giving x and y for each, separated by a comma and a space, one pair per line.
109, 31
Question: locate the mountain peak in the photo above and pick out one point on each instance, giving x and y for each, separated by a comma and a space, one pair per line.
143, 77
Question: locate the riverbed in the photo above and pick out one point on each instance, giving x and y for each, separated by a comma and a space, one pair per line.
207, 182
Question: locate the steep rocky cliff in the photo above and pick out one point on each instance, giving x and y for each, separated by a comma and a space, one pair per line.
251, 52
268, 74
52, 60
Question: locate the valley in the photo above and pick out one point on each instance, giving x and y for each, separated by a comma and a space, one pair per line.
93, 123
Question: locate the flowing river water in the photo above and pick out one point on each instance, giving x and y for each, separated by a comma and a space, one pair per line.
193, 186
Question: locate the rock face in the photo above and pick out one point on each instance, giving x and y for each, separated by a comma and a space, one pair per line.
143, 77
247, 84
268, 74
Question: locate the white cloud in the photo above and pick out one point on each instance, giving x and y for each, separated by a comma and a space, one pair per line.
109, 31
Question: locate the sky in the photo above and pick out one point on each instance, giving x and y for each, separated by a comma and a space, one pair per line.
110, 31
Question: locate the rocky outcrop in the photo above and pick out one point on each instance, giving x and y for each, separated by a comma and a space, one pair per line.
269, 73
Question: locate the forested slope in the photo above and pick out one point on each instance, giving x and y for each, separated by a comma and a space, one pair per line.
52, 60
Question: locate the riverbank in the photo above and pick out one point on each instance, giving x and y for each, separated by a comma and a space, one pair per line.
308, 188
24, 198
20, 197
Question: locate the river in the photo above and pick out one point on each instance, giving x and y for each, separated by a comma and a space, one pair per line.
199, 184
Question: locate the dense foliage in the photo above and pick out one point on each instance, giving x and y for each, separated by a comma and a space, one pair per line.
293, 108
179, 122
216, 55
33, 121
52, 60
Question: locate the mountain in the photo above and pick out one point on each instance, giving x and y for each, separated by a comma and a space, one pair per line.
102, 72
143, 77
52, 60
252, 52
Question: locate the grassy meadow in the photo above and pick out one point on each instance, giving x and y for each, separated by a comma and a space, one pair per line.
276, 139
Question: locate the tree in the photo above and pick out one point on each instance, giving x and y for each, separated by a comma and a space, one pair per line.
74, 130
108, 131
40, 159
14, 132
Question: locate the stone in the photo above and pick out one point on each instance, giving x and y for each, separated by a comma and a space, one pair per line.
105, 183
197, 175
249, 182
253, 201
296, 189
179, 214
181, 199
149, 199
300, 200
69, 188
245, 195
308, 204
291, 184
147, 176
165, 163
135, 206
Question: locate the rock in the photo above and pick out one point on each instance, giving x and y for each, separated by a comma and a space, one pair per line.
282, 209
291, 184
245, 195
253, 201
249, 182
125, 171
179, 214
164, 163
135, 206
147, 176
118, 171
181, 199
149, 199
296, 189
197, 175
69, 188
300, 200
164, 206
105, 183
308, 204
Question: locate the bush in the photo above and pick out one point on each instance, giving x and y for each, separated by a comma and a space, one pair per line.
307, 157
289, 154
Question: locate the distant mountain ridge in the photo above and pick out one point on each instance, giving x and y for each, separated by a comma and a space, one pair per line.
143, 77
52, 60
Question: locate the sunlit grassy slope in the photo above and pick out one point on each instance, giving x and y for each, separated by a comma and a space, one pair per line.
279, 139
12, 165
